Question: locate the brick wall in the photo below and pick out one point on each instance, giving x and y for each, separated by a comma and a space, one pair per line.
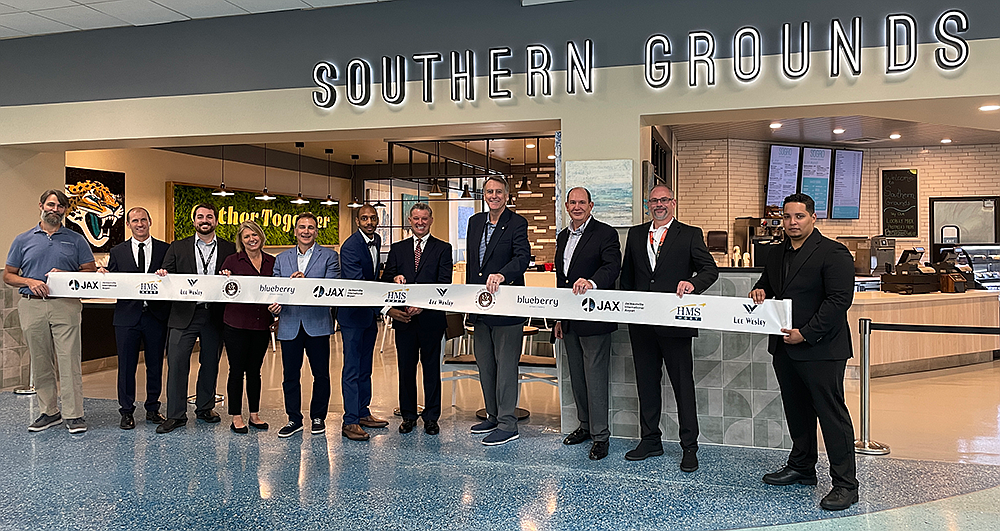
539, 208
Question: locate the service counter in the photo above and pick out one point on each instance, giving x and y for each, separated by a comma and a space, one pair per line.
906, 352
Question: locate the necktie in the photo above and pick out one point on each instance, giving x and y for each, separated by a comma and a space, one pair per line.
416, 256
142, 258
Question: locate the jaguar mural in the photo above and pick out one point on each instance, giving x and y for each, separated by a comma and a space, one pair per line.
95, 211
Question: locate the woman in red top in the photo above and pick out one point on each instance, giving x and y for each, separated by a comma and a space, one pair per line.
247, 327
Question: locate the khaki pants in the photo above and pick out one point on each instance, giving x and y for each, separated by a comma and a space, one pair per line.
52, 331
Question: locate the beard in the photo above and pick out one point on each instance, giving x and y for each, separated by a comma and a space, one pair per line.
204, 229
52, 218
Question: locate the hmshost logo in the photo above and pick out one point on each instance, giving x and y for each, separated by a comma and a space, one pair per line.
688, 312
396, 296
231, 289
590, 305
149, 288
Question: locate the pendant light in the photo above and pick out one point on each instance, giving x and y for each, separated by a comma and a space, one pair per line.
329, 177
435, 189
264, 196
379, 203
299, 200
222, 192
466, 194
524, 189
354, 163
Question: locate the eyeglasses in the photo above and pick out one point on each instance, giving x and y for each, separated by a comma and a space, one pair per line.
659, 200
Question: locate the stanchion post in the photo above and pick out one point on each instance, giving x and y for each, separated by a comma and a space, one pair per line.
865, 445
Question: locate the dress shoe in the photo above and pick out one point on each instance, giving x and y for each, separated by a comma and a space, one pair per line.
372, 421
258, 425
689, 462
839, 498
354, 432
431, 427
788, 476
598, 451
209, 416
170, 425
485, 426
155, 417
407, 425
578, 436
244, 429
644, 450
128, 421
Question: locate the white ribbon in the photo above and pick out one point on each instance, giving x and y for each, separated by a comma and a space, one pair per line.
734, 314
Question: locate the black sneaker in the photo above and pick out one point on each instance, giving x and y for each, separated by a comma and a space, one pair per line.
290, 429
45, 422
318, 426
77, 425
689, 462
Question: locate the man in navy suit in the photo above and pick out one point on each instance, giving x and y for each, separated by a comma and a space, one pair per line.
422, 259
498, 252
588, 256
139, 321
199, 254
359, 260
305, 328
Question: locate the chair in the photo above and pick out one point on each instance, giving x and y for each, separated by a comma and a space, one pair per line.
463, 365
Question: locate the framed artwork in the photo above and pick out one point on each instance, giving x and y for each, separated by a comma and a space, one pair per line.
96, 206
610, 185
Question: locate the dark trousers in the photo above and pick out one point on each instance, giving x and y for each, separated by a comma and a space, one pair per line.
589, 360
811, 391
356, 379
180, 344
152, 333
650, 353
498, 351
245, 350
317, 349
417, 343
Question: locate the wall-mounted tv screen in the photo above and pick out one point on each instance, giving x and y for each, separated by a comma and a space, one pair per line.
846, 202
782, 175
815, 183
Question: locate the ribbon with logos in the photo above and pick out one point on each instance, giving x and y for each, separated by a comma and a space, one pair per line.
733, 314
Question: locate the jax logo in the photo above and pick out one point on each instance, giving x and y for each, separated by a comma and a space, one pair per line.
688, 312
590, 305
485, 300
396, 296
320, 291
231, 288
751, 307
86, 284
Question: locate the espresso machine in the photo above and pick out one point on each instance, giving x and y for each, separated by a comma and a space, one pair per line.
757, 236
870, 254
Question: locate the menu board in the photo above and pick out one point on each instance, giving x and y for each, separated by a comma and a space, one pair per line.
816, 177
846, 184
899, 203
782, 174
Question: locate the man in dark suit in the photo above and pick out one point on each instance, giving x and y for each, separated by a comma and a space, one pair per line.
200, 254
359, 260
139, 321
498, 251
588, 256
422, 259
665, 256
817, 274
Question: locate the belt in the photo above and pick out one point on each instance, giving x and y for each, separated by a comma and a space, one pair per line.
34, 297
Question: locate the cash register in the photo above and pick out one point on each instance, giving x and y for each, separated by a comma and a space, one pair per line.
910, 276
955, 277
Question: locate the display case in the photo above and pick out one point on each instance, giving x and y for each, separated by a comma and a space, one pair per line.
985, 261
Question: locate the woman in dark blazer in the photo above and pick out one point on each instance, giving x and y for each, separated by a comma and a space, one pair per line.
247, 327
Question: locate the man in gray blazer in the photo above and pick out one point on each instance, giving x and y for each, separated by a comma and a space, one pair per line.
306, 328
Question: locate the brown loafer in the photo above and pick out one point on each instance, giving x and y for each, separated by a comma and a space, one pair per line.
372, 421
354, 432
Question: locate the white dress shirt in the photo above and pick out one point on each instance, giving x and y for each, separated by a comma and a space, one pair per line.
147, 250
653, 248
373, 251
208, 251
571, 242
303, 258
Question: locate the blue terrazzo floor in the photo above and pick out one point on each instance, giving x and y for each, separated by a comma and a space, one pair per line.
203, 476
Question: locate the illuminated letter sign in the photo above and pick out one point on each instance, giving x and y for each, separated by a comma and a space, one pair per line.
657, 73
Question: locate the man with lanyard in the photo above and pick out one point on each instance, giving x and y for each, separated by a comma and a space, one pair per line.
666, 256
51, 327
199, 254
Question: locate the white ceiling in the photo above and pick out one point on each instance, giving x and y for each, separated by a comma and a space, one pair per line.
22, 18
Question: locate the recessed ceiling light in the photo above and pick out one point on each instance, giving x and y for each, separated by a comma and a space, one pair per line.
775, 125
838, 131
530, 146
552, 157
987, 108
895, 136
946, 141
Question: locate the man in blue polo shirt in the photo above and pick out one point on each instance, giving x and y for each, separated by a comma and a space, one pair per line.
51, 326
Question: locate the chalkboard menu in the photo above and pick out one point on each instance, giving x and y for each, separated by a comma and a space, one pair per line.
899, 203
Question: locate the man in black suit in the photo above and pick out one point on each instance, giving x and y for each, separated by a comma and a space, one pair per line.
666, 256
139, 321
817, 274
588, 256
497, 252
422, 259
200, 254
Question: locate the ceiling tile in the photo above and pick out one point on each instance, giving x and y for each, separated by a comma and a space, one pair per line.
8, 32
7, 9
202, 8
138, 12
36, 5
261, 6
82, 17
32, 24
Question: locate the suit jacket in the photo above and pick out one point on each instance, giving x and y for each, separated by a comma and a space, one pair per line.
683, 256
435, 268
121, 260
820, 284
356, 264
180, 259
507, 253
315, 320
597, 257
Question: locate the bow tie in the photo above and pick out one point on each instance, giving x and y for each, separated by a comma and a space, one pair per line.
371, 243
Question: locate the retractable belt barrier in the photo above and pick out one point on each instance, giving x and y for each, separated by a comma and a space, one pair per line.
692, 311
